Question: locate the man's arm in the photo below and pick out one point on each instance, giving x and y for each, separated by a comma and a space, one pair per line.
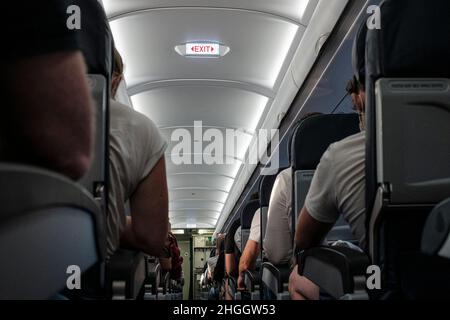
310, 232
248, 260
278, 238
230, 265
148, 227
53, 110
320, 211
166, 263
231, 270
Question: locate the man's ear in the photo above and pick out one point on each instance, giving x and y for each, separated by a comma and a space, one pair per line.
115, 82
360, 103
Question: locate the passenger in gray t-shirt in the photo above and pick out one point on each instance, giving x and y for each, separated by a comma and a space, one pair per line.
338, 187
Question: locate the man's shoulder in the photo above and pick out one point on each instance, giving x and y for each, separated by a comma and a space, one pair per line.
285, 175
286, 172
118, 108
357, 139
340, 151
256, 217
134, 118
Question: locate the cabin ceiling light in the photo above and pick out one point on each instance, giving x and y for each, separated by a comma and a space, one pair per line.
202, 50
205, 231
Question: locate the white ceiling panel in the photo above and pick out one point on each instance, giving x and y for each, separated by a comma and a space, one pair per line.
214, 106
194, 213
221, 169
300, 10
236, 144
195, 204
194, 192
200, 180
255, 40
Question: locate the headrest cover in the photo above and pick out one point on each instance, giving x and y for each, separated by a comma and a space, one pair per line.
313, 136
265, 189
266, 185
96, 39
359, 54
291, 134
248, 212
413, 40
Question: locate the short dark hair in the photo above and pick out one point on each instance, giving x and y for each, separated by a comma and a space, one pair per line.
118, 63
117, 71
352, 86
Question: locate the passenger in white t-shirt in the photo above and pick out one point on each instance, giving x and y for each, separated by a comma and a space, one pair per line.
138, 175
251, 250
278, 239
338, 187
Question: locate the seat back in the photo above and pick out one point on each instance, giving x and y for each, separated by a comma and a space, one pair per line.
407, 149
127, 272
412, 134
49, 226
96, 43
95, 179
246, 221
153, 278
51, 222
311, 138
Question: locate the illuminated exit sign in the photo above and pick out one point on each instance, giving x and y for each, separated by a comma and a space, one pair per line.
202, 49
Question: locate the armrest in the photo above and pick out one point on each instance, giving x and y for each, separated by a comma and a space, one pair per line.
339, 271
274, 276
165, 283
436, 233
252, 278
153, 273
126, 274
232, 284
232, 287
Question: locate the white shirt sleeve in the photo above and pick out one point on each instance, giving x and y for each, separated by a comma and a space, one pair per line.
255, 229
153, 146
321, 201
